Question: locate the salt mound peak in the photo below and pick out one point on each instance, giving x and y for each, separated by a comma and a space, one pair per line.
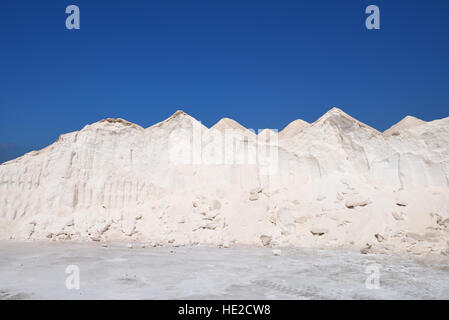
338, 116
108, 123
293, 128
179, 115
406, 123
118, 121
335, 112
226, 123
267, 134
266, 131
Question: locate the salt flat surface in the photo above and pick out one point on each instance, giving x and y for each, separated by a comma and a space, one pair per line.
36, 270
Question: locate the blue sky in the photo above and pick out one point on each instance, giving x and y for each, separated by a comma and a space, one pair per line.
262, 63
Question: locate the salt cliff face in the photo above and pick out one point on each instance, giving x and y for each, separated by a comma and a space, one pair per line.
333, 183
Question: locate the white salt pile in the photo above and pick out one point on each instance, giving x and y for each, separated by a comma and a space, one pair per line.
333, 183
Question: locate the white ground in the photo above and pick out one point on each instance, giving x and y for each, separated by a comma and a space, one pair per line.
36, 270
